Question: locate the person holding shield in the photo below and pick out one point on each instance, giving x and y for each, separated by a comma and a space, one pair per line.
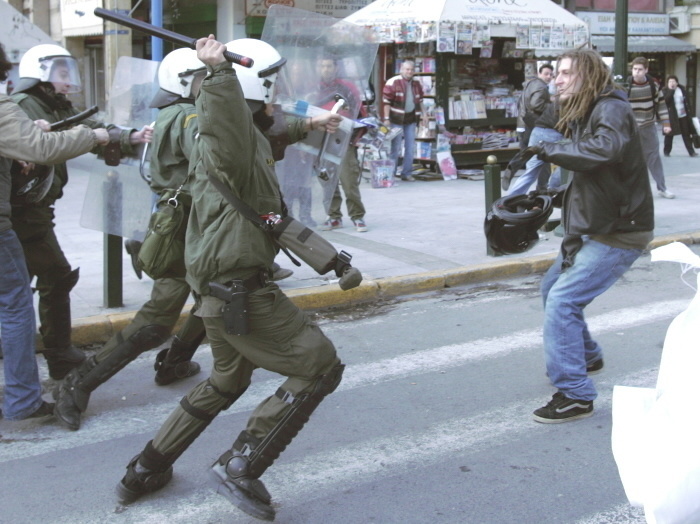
48, 73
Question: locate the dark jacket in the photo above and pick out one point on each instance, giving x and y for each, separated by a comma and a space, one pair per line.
533, 101
394, 94
610, 191
673, 112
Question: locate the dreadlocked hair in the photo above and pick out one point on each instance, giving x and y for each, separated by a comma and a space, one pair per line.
596, 75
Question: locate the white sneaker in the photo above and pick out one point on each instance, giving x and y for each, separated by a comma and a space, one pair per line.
667, 194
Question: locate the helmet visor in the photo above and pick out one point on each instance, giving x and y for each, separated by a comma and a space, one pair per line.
62, 71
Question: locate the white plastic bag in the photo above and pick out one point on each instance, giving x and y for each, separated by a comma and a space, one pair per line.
696, 125
656, 431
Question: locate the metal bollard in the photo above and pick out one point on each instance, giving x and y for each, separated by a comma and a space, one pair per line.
112, 285
492, 186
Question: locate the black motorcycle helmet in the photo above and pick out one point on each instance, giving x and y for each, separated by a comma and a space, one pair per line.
30, 188
511, 225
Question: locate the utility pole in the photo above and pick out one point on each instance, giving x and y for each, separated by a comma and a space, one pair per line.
620, 64
117, 42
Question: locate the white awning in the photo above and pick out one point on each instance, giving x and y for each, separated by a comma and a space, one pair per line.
423, 17
644, 44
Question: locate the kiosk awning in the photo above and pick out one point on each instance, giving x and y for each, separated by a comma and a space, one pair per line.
429, 20
644, 44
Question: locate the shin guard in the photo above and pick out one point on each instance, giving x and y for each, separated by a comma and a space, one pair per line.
262, 453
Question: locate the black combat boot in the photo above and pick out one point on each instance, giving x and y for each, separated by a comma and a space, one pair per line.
62, 360
71, 398
174, 363
147, 472
230, 476
74, 392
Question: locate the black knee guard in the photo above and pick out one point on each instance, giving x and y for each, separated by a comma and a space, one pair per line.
262, 453
127, 350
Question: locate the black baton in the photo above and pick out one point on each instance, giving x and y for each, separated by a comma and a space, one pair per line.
165, 34
74, 119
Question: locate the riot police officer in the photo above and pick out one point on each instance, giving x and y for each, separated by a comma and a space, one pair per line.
48, 73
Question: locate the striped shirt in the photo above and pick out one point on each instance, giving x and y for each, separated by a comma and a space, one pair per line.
640, 97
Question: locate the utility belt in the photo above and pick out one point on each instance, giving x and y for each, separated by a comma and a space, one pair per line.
235, 293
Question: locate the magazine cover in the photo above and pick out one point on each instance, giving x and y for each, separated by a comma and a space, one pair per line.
446, 37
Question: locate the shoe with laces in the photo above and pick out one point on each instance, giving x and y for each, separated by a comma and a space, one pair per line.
331, 223
667, 194
360, 225
563, 409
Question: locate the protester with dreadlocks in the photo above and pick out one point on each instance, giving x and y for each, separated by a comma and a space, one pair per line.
608, 219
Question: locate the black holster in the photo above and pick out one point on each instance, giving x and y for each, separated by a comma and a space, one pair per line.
235, 309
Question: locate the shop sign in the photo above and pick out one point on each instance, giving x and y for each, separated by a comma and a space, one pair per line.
78, 17
603, 23
334, 8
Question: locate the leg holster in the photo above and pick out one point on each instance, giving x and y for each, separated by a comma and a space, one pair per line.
262, 453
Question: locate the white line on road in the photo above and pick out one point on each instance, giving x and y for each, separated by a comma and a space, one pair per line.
147, 418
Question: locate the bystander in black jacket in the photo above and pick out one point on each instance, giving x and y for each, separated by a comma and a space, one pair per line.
680, 125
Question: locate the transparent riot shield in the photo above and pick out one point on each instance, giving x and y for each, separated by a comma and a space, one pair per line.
118, 200
329, 62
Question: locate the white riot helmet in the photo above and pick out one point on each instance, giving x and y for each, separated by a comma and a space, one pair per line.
258, 81
177, 75
49, 63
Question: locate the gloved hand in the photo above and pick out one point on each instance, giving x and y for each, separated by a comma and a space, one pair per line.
557, 195
523, 156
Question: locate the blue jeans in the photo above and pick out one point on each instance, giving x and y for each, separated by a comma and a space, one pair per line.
568, 345
409, 145
22, 386
534, 166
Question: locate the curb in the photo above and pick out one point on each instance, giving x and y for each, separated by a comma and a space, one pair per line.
99, 329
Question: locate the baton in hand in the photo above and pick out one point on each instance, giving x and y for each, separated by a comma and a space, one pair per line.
165, 34
67, 122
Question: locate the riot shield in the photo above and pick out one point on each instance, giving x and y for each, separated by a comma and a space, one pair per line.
118, 200
329, 62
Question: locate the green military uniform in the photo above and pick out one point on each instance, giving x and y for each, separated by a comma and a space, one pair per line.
174, 136
223, 246
34, 225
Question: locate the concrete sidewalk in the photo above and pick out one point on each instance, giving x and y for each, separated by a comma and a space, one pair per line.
422, 236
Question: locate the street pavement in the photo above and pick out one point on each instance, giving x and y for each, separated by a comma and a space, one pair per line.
423, 235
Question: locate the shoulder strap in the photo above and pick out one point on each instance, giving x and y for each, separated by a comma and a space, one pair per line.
245, 210
238, 204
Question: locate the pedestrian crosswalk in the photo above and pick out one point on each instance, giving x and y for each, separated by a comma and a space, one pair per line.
377, 430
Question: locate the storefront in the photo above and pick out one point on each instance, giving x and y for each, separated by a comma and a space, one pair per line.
472, 58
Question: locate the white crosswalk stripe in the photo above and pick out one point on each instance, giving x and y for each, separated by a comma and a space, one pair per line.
379, 458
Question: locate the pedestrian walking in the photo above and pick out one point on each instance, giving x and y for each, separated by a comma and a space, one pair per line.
679, 115
649, 106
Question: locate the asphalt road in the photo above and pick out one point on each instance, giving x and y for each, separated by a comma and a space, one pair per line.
432, 422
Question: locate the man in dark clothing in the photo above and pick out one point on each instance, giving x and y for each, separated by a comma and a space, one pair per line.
533, 101
608, 219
